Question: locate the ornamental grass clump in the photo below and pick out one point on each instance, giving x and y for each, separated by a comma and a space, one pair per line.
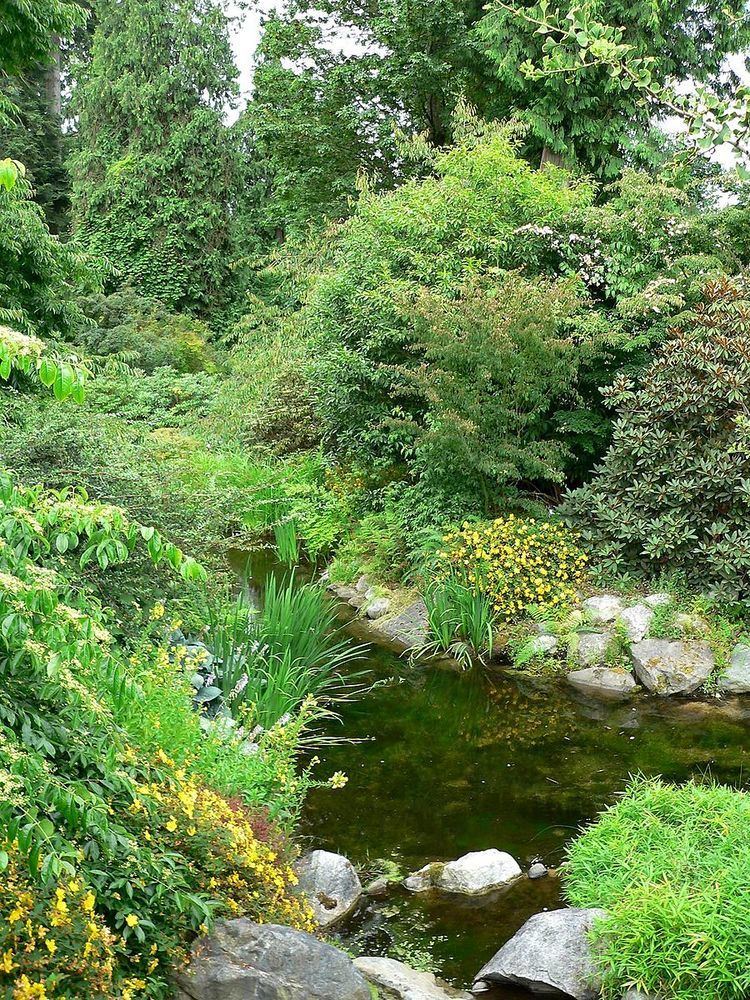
670, 865
518, 562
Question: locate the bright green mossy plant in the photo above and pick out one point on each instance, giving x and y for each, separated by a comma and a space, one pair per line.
672, 493
670, 865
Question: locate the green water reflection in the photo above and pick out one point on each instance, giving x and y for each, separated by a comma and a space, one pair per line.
452, 763
448, 763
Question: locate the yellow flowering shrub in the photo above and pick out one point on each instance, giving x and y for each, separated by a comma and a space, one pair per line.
518, 561
236, 861
53, 944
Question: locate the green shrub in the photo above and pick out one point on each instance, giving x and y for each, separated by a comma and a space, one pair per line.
672, 492
145, 333
670, 865
143, 840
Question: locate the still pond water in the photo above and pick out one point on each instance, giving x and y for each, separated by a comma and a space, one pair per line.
442, 763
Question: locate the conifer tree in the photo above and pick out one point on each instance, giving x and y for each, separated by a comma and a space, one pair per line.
155, 169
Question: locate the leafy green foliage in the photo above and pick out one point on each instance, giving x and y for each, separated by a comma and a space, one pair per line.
461, 619
40, 274
671, 493
32, 135
669, 865
26, 30
144, 333
374, 343
579, 72
155, 167
152, 848
286, 654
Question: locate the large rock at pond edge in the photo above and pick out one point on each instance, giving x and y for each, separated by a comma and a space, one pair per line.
604, 608
668, 667
603, 682
396, 981
480, 871
408, 627
242, 960
736, 679
550, 954
331, 885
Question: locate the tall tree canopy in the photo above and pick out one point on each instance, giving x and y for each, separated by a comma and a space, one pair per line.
559, 65
335, 81
155, 168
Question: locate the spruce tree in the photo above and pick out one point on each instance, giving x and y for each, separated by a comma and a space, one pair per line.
155, 169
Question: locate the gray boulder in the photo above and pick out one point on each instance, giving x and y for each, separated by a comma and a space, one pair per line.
242, 960
550, 954
362, 585
396, 981
657, 600
736, 679
592, 648
377, 608
408, 627
477, 872
667, 667
603, 609
637, 621
331, 885
540, 645
538, 870
603, 682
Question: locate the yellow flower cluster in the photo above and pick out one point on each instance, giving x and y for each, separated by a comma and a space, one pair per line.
519, 562
52, 942
246, 874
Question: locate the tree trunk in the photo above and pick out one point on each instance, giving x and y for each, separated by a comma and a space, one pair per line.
548, 156
53, 79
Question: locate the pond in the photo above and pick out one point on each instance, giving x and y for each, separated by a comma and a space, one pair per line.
442, 763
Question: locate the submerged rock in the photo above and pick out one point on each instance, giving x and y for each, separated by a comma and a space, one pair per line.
605, 608
550, 953
477, 872
396, 981
472, 874
331, 885
667, 667
603, 682
242, 960
637, 621
736, 679
424, 879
